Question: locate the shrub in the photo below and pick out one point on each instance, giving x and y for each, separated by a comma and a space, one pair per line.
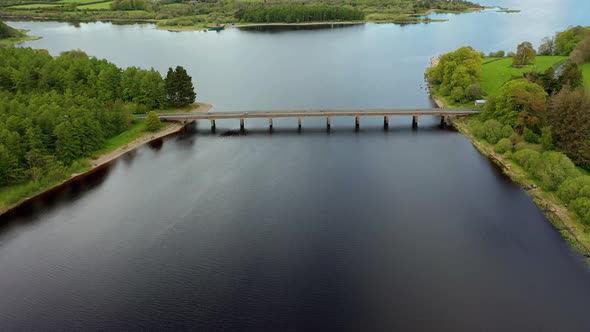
507, 132
552, 169
493, 131
571, 188
152, 121
526, 158
581, 207
530, 136
503, 146
458, 94
546, 138
478, 130
474, 92
524, 145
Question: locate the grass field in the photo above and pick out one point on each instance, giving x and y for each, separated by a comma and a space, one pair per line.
35, 6
81, 2
495, 72
97, 6
586, 71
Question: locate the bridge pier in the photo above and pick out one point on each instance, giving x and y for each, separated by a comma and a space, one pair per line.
328, 122
357, 122
442, 121
270, 123
242, 124
385, 121
299, 123
414, 121
213, 125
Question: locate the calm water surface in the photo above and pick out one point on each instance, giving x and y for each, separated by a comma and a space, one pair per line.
371, 231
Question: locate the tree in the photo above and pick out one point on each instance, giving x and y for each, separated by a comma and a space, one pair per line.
456, 72
566, 41
518, 96
152, 121
547, 46
525, 55
581, 53
179, 87
67, 146
8, 164
571, 76
552, 169
569, 116
109, 83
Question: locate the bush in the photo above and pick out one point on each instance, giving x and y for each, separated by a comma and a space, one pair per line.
458, 94
574, 188
474, 92
507, 132
581, 207
493, 131
530, 136
552, 169
528, 146
503, 146
478, 130
526, 158
546, 138
499, 54
152, 121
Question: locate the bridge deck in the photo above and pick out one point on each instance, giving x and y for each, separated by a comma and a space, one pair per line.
317, 113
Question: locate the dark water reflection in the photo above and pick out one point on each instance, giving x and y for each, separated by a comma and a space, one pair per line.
296, 231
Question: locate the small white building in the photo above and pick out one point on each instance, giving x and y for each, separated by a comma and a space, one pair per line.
480, 102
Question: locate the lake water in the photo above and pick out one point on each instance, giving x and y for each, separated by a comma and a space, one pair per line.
297, 231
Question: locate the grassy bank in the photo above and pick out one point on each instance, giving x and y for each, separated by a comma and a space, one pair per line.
568, 224
497, 71
12, 196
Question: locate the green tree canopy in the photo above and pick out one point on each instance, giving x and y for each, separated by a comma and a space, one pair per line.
517, 97
569, 116
525, 55
566, 41
456, 72
179, 87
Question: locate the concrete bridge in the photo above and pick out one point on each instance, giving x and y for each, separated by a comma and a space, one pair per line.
415, 113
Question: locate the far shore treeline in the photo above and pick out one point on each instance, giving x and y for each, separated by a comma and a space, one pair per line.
538, 120
56, 111
298, 13
202, 13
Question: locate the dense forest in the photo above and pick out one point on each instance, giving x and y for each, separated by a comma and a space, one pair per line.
56, 110
204, 12
298, 13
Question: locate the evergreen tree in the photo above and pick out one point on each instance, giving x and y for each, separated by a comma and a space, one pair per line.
67, 145
179, 87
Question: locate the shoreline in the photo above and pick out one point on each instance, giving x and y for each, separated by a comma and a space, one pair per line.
557, 214
107, 158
